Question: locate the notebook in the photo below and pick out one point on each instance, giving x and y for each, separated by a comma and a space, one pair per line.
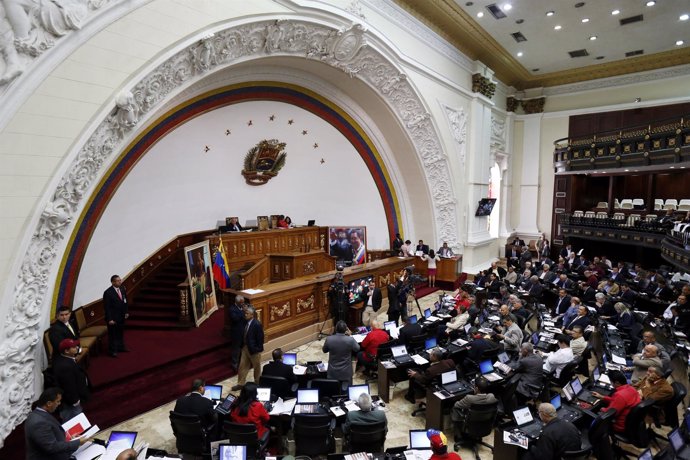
449, 382
400, 355
419, 440
353, 391
412, 319
526, 423
122, 436
307, 401
678, 444
214, 392
430, 343
487, 370
290, 359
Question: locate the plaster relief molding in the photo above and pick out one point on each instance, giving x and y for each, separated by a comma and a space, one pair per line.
30, 28
457, 121
345, 49
630, 79
498, 136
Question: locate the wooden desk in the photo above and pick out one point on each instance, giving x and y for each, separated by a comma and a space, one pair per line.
290, 265
386, 376
435, 406
291, 305
446, 269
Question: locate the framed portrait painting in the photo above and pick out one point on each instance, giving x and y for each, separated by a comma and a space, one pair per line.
348, 244
200, 277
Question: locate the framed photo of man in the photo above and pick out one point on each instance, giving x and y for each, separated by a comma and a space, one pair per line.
262, 222
348, 244
199, 272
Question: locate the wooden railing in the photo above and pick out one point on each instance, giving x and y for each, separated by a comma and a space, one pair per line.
256, 276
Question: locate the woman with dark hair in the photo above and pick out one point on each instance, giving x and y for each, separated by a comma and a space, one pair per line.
249, 410
431, 260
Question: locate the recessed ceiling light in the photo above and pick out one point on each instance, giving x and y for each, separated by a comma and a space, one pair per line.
585, 20
469, 3
556, 27
683, 17
535, 70
599, 58
615, 12
550, 13
480, 15
679, 43
519, 54
627, 170
651, 3
593, 37
519, 21
579, 4
507, 7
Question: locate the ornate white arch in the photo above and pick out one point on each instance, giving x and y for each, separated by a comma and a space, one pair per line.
352, 50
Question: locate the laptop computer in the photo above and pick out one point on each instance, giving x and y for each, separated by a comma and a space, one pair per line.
263, 394
307, 401
412, 319
213, 392
232, 452
431, 343
225, 406
449, 382
127, 438
311, 222
598, 383
580, 393
565, 413
526, 423
646, 455
388, 325
487, 370
290, 359
418, 440
353, 391
400, 355
502, 363
427, 313
680, 448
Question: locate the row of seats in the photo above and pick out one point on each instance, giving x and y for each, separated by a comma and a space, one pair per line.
638, 203
620, 218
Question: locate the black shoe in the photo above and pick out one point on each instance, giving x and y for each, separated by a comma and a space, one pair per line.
410, 398
236, 388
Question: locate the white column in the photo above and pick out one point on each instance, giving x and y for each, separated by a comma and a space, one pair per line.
529, 187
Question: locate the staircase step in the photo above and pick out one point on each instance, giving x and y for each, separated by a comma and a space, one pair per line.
158, 325
155, 315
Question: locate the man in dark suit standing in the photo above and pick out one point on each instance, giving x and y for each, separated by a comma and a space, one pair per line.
45, 438
62, 329
252, 346
393, 304
71, 378
194, 403
116, 312
237, 325
372, 302
277, 368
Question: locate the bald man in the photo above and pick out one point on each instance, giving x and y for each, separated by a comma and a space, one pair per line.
127, 454
557, 437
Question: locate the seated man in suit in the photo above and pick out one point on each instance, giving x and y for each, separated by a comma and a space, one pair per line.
365, 415
233, 225
419, 380
424, 248
63, 328
195, 403
528, 370
444, 251
277, 368
557, 437
408, 331
461, 409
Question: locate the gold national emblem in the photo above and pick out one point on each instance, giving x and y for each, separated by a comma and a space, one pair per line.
264, 161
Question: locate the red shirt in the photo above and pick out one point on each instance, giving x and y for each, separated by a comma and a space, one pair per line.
257, 415
447, 456
623, 399
371, 342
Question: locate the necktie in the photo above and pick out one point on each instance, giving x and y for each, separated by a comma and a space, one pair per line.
246, 329
69, 326
119, 294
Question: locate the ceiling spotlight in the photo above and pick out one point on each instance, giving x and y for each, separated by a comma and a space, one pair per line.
556, 27
585, 20
615, 12
519, 54
519, 21
469, 3
651, 3
480, 15
599, 58
507, 7
679, 43
638, 99
683, 17
593, 37
550, 13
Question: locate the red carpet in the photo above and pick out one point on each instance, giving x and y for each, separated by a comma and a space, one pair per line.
424, 291
158, 369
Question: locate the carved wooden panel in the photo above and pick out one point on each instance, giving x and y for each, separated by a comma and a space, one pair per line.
279, 311
304, 305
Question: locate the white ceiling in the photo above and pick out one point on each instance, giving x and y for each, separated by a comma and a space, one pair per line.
547, 49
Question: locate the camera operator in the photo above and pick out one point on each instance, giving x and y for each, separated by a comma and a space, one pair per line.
337, 295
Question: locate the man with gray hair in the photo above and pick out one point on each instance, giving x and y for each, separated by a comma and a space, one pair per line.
252, 346
643, 361
528, 371
557, 437
365, 415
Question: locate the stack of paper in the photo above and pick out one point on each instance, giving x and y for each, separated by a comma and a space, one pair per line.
283, 407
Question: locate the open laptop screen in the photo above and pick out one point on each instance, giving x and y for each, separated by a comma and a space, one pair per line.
503, 357
676, 440
596, 373
228, 452
430, 343
388, 325
399, 350
308, 396
556, 402
449, 377
412, 319
522, 416
427, 312
646, 455
353, 391
576, 385
215, 392
263, 394
122, 436
290, 359
467, 328
486, 367
418, 440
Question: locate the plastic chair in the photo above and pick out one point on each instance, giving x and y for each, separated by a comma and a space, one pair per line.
366, 437
479, 423
626, 204
245, 434
190, 436
672, 201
